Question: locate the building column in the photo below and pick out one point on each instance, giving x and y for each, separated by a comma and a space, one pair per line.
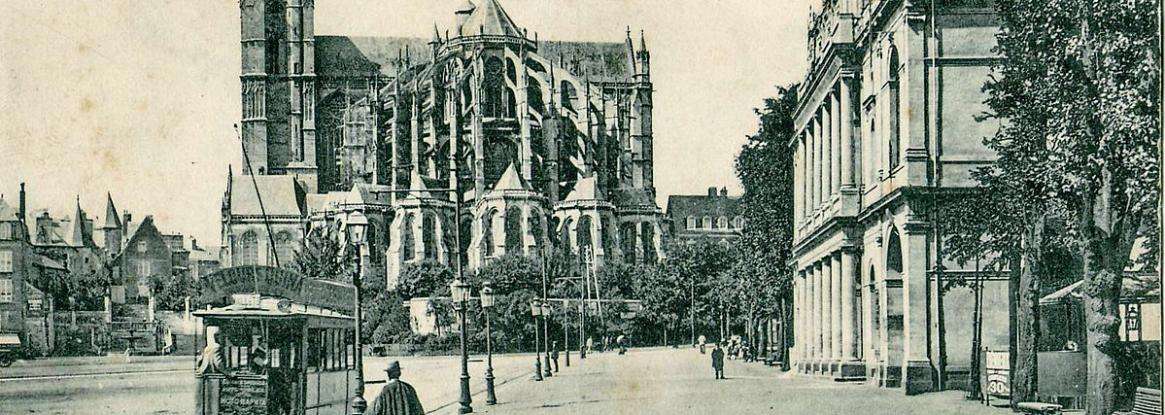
849, 323
819, 169
836, 125
796, 185
826, 149
814, 312
918, 372
848, 161
824, 274
835, 315
798, 314
811, 172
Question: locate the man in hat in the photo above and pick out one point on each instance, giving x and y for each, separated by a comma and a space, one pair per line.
397, 397
718, 361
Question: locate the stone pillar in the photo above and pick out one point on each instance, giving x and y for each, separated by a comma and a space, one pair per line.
796, 185
819, 168
826, 114
835, 315
814, 313
799, 316
811, 171
849, 163
836, 125
827, 307
918, 372
849, 323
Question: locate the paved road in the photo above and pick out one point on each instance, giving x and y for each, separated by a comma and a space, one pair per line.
681, 382
166, 386
653, 381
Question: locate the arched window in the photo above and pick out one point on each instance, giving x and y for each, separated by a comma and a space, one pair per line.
585, 233
691, 222
738, 222
647, 229
247, 249
895, 115
498, 96
894, 256
534, 222
564, 235
627, 234
408, 239
707, 222
513, 230
429, 235
285, 248
487, 233
722, 223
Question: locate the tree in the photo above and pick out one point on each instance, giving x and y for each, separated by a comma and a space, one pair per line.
694, 267
324, 257
765, 169
170, 291
1079, 88
424, 279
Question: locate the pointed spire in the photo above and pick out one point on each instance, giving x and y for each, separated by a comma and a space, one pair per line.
491, 19
112, 221
511, 180
642, 41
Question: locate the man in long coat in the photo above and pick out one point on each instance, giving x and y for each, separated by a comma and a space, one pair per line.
397, 397
718, 361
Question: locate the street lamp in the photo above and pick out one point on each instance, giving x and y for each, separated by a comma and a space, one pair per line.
459, 291
354, 227
487, 302
536, 310
546, 337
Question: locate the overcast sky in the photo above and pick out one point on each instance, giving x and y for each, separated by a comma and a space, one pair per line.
138, 97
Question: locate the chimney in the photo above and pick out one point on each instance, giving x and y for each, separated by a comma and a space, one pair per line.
723, 192
712, 191
126, 218
21, 206
194, 245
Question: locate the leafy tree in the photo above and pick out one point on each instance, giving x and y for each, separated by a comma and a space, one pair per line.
424, 279
1079, 88
323, 256
694, 267
170, 291
516, 280
765, 168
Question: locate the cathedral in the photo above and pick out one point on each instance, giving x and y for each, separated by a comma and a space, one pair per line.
482, 134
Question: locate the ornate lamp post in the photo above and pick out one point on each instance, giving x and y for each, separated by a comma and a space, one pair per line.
536, 310
487, 302
354, 226
459, 290
546, 338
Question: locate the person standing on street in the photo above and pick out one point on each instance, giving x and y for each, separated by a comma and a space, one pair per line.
554, 354
397, 397
702, 340
718, 361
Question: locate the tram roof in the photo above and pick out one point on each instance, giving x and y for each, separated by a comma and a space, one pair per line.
270, 307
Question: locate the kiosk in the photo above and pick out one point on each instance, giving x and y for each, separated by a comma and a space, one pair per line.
275, 343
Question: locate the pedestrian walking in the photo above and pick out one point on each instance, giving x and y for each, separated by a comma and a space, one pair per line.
718, 361
554, 354
397, 397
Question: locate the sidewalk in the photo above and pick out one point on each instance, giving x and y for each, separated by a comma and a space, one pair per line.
681, 382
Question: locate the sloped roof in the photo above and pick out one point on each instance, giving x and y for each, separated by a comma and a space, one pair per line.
682, 206
585, 189
340, 56
112, 221
282, 196
8, 213
511, 180
598, 61
490, 19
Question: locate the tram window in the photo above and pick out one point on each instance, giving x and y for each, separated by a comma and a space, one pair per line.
275, 358
314, 353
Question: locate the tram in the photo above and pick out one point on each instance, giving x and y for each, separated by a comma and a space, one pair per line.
274, 342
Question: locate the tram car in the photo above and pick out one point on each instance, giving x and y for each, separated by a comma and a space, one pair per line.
275, 343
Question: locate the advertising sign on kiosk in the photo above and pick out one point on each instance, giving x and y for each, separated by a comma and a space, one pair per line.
275, 342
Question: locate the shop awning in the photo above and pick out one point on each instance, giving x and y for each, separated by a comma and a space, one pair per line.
1134, 287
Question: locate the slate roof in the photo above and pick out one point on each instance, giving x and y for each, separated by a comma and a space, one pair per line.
679, 207
598, 61
282, 196
585, 189
511, 180
490, 19
7, 212
343, 56
112, 221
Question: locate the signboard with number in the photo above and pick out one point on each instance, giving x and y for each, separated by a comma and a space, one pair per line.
997, 373
243, 395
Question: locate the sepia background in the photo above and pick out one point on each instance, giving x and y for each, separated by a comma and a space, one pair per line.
138, 98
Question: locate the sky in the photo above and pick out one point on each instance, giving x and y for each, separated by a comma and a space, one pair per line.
137, 98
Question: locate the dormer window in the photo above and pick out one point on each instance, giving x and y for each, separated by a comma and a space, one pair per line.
142, 246
707, 222
691, 222
722, 223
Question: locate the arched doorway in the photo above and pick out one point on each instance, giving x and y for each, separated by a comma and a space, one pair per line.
894, 306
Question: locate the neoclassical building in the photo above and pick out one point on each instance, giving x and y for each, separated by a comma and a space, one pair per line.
536, 143
887, 122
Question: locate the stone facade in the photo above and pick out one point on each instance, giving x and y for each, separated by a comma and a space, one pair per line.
390, 126
886, 121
